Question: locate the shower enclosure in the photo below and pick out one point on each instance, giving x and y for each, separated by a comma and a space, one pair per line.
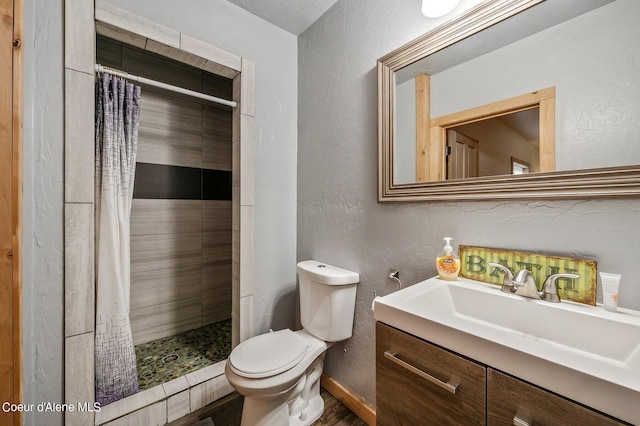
85, 20
181, 230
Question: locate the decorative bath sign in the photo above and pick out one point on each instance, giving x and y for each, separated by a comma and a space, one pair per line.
583, 290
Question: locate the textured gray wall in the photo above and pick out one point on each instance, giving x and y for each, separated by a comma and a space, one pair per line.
43, 290
340, 221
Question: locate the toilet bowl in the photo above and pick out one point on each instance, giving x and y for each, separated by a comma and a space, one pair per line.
276, 399
278, 373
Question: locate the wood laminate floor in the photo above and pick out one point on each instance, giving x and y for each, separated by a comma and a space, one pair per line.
228, 412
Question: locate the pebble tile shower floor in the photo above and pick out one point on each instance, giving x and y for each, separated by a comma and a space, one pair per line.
168, 358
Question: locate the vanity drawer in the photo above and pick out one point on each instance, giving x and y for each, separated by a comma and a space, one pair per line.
512, 401
418, 383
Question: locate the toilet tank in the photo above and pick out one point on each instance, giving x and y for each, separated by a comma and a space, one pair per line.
327, 300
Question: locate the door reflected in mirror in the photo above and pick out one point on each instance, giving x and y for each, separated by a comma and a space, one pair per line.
489, 147
478, 142
502, 145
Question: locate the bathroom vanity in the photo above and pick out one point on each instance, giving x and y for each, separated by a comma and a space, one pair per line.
477, 394
466, 353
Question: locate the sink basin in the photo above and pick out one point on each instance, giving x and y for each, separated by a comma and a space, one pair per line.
588, 331
532, 339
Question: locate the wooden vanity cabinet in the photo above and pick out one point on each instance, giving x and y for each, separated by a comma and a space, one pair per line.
416, 381
512, 401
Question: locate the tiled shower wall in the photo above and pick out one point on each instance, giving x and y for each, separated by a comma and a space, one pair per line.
181, 213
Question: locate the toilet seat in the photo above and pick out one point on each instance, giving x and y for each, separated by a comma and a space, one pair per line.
268, 354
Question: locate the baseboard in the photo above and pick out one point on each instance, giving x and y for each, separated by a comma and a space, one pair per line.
350, 400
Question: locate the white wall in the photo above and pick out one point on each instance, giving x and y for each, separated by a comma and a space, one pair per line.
217, 22
340, 221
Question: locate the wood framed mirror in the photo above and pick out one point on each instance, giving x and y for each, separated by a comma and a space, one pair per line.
588, 120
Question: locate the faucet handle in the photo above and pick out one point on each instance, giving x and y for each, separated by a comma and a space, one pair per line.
550, 287
507, 283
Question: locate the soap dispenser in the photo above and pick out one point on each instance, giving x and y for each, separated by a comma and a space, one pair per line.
447, 262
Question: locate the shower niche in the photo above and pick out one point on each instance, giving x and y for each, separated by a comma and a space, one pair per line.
181, 217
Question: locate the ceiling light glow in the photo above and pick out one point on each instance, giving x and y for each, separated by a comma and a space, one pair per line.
437, 8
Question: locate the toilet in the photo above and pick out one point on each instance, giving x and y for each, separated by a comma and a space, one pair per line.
278, 373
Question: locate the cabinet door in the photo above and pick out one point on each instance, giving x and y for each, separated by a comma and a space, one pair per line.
514, 402
418, 383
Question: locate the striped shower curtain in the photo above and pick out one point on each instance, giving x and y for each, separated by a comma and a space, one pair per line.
117, 117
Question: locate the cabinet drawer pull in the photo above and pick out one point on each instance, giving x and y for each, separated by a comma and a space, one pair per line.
450, 386
520, 420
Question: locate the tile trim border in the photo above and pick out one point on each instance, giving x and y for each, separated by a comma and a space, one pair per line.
211, 378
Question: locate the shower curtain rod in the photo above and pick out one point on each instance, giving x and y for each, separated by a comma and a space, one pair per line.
126, 75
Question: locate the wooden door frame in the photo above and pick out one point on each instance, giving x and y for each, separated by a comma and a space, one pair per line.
11, 332
544, 99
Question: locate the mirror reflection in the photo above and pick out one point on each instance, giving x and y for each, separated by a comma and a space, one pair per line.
582, 50
503, 145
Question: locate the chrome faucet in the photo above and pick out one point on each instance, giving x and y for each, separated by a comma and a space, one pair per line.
523, 284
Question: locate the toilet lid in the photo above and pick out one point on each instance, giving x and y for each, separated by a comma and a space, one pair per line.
268, 354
